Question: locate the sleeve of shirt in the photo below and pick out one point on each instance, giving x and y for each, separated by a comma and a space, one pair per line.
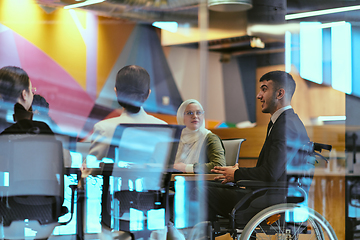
215, 154
189, 168
99, 143
272, 168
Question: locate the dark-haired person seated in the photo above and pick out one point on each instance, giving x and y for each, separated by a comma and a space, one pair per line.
16, 88
285, 136
132, 88
40, 108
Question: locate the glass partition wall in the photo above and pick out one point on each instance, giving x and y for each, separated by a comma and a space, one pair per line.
215, 55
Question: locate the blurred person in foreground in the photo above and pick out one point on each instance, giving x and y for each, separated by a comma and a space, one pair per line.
16, 89
132, 88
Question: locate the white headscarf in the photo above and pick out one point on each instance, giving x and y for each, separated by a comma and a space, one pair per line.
191, 141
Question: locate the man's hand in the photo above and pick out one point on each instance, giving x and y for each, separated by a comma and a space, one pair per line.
227, 173
85, 171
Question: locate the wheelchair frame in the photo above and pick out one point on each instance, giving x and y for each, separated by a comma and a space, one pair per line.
319, 225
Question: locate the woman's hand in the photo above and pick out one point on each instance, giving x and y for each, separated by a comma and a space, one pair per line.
180, 166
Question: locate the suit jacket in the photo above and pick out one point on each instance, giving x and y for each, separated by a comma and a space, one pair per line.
281, 147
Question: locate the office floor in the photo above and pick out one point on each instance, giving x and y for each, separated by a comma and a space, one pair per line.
95, 237
73, 237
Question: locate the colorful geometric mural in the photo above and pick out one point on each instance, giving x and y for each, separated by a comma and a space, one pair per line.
69, 103
72, 58
143, 48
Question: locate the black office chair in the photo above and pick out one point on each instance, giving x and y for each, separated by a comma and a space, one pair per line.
135, 188
278, 209
31, 186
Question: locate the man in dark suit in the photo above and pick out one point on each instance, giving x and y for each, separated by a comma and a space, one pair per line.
285, 136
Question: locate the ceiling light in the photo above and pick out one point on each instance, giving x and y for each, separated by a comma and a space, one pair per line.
331, 118
168, 26
332, 24
229, 5
82, 4
321, 12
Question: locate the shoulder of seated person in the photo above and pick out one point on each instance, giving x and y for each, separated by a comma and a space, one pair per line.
212, 138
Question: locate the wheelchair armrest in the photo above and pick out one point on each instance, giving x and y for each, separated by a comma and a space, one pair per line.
255, 187
261, 184
319, 146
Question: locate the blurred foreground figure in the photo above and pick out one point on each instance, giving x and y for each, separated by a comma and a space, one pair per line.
31, 165
132, 88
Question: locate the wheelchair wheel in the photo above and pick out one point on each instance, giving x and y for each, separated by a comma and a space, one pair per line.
288, 221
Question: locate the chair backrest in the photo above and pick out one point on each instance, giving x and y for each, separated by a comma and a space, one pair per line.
143, 155
232, 150
31, 165
145, 151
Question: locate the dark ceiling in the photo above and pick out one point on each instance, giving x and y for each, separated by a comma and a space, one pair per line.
186, 10
267, 12
296, 6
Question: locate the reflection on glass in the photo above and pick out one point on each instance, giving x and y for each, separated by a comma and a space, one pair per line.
311, 51
156, 219
341, 65
179, 207
136, 220
4, 179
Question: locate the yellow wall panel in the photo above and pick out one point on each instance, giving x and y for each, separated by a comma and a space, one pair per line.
113, 36
55, 34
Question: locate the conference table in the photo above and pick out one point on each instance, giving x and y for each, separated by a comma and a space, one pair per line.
105, 170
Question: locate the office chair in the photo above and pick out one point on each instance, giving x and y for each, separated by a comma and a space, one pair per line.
138, 180
31, 186
232, 150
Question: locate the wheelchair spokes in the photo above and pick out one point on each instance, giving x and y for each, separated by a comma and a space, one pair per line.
269, 225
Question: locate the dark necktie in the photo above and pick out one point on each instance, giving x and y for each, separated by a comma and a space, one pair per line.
269, 127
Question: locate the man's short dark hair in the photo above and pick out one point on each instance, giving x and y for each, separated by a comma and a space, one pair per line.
13, 80
132, 87
281, 79
40, 104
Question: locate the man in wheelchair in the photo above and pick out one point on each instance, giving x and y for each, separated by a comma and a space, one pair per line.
285, 139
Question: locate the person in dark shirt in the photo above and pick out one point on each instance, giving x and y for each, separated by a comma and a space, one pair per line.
16, 88
40, 110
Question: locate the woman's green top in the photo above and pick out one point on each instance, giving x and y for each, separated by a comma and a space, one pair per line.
212, 152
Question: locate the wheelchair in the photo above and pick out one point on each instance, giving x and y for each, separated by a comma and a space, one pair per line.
275, 210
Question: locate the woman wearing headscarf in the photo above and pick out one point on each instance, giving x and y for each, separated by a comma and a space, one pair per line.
196, 142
